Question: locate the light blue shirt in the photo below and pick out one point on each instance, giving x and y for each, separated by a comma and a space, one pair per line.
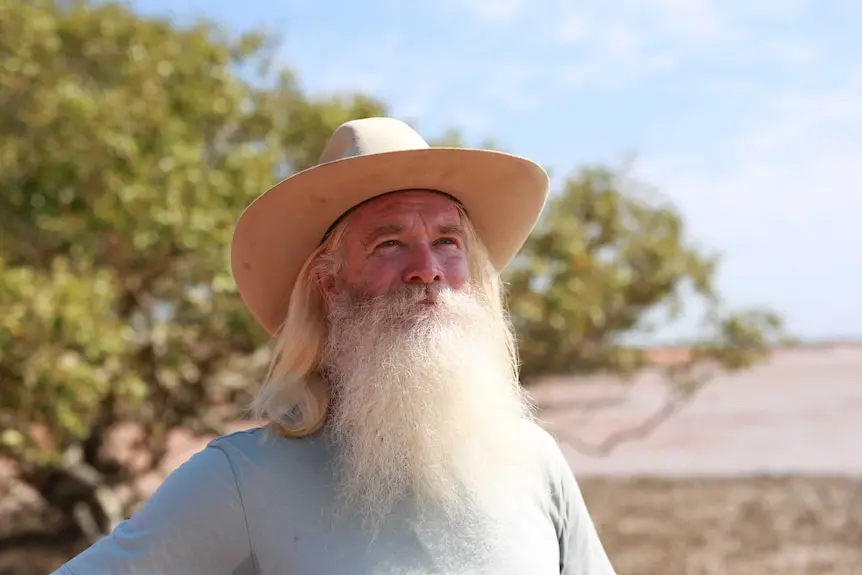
255, 503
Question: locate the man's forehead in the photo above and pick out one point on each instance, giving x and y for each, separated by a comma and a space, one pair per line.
427, 204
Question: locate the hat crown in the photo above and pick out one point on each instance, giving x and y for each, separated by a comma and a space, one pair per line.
371, 136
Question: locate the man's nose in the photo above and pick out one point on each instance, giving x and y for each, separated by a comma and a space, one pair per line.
422, 267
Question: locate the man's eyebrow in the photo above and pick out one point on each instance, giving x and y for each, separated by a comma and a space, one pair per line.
451, 229
384, 230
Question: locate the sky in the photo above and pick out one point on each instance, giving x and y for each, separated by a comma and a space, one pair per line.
747, 116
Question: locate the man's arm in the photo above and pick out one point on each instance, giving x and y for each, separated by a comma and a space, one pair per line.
193, 524
581, 550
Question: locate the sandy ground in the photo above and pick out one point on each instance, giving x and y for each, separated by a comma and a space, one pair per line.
800, 413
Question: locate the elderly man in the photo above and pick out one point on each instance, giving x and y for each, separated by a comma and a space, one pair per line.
398, 440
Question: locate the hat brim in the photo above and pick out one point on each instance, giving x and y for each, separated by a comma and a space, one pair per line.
503, 194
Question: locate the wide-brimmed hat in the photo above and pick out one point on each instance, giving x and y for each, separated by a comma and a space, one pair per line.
502, 194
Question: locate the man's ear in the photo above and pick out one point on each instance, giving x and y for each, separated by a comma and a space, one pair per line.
326, 285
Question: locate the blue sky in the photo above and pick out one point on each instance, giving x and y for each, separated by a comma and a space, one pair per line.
747, 116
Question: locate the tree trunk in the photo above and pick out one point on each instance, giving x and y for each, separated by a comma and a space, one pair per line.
81, 494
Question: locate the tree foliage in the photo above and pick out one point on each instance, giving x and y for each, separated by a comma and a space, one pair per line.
610, 259
128, 147
606, 258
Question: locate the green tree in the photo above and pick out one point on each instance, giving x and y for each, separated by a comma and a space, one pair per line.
128, 146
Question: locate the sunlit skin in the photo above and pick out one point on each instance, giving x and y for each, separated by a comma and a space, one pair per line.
412, 237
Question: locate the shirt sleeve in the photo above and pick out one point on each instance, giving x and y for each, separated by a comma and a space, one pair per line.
581, 550
193, 524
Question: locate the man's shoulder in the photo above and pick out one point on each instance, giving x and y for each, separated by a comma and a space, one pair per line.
543, 440
253, 438
262, 447
547, 448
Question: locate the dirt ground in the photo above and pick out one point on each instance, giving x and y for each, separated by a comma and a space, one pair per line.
733, 526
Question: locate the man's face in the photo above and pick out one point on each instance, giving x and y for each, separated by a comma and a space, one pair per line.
426, 401
407, 238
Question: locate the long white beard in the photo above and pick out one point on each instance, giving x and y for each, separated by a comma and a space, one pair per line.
426, 403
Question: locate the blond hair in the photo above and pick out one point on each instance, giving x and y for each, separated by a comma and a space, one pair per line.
294, 397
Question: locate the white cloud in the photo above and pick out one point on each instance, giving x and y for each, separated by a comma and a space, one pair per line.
615, 45
799, 162
551, 47
810, 144
572, 30
495, 11
691, 18
784, 208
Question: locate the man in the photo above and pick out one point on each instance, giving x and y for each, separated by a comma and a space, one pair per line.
399, 440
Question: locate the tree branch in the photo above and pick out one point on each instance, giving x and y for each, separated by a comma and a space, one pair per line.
679, 398
607, 445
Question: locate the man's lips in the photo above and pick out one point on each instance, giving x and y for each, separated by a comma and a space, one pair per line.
429, 300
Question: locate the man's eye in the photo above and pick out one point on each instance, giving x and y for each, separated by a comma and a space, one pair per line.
450, 241
387, 244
